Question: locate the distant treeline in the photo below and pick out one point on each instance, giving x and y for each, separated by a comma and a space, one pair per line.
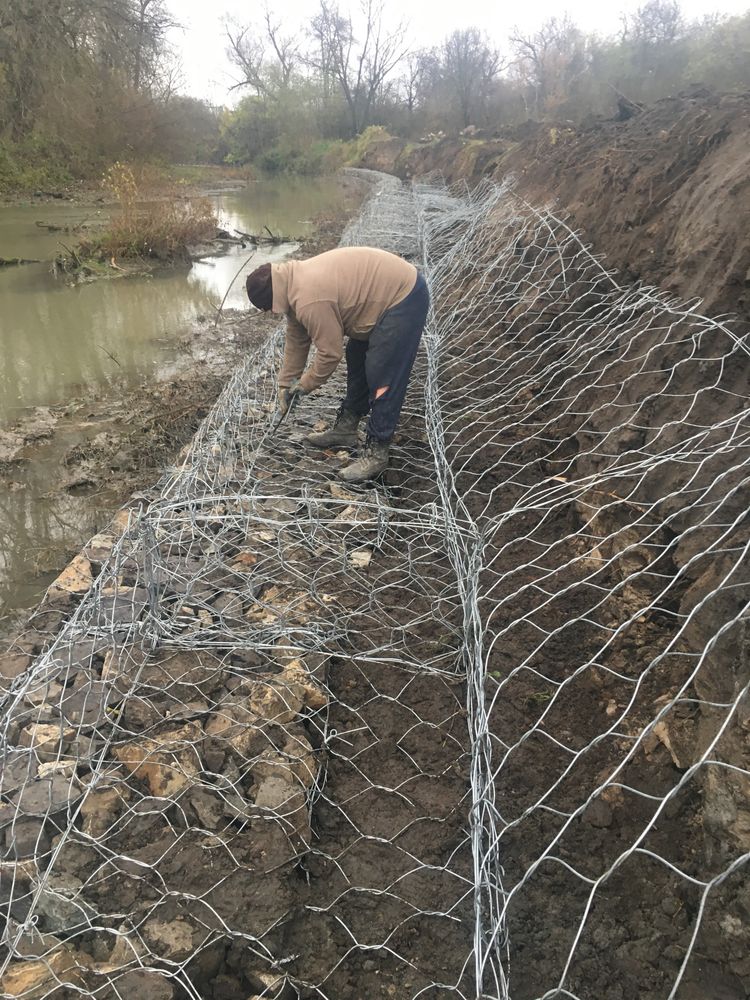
85, 82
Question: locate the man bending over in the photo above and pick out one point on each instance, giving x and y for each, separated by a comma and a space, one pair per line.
376, 300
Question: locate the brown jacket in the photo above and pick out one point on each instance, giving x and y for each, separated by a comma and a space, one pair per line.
340, 293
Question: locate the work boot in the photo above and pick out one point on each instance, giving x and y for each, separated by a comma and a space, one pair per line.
343, 434
372, 461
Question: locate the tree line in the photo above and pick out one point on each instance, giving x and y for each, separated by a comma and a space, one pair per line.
352, 67
84, 82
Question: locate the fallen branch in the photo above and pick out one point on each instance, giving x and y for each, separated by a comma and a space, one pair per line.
14, 261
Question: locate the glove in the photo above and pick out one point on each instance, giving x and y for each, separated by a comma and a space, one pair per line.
289, 396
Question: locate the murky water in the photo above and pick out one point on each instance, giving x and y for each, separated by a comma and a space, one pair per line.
54, 339
59, 342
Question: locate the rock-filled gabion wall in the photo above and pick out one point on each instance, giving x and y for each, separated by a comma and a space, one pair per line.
476, 731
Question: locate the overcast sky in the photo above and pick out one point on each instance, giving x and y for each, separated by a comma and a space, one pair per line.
202, 46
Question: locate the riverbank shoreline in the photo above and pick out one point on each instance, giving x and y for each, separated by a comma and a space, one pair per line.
101, 449
193, 182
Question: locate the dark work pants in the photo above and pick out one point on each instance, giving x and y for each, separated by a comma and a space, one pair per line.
378, 369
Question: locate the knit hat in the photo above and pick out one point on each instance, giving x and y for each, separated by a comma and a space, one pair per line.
260, 288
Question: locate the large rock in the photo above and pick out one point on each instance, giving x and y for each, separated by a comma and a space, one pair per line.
46, 741
171, 940
240, 729
294, 762
60, 905
183, 676
137, 984
279, 701
35, 980
168, 762
296, 673
101, 808
43, 796
287, 802
76, 578
26, 837
12, 665
87, 704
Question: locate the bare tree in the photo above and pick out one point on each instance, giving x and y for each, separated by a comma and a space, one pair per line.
266, 57
152, 21
657, 22
470, 67
359, 66
549, 60
418, 66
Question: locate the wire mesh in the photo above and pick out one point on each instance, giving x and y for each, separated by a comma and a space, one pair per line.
596, 437
479, 731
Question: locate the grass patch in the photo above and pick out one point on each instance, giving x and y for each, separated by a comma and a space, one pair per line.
31, 166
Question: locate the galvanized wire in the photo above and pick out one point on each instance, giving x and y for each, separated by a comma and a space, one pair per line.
456, 734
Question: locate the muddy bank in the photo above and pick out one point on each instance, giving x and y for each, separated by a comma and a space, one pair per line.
665, 195
192, 182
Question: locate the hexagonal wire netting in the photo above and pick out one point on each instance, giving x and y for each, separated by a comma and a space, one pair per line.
476, 731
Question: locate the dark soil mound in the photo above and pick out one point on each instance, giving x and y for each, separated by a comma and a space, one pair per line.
665, 195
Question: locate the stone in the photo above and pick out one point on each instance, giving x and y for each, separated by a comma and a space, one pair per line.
124, 608
39, 979
168, 762
46, 740
12, 665
229, 606
598, 813
286, 652
296, 760
37, 695
244, 561
87, 705
296, 673
101, 808
246, 658
43, 796
16, 769
76, 578
26, 941
358, 514
279, 704
60, 905
65, 768
139, 984
121, 522
98, 548
361, 558
171, 940
208, 807
183, 675
27, 837
239, 728
288, 803
191, 710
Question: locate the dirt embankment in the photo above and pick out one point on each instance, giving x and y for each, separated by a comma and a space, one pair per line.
665, 195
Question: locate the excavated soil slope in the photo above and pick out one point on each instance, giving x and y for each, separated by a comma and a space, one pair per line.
665, 195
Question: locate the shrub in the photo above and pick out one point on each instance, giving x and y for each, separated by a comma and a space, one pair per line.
162, 229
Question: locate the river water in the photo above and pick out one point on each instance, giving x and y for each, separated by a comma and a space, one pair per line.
56, 340
59, 342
